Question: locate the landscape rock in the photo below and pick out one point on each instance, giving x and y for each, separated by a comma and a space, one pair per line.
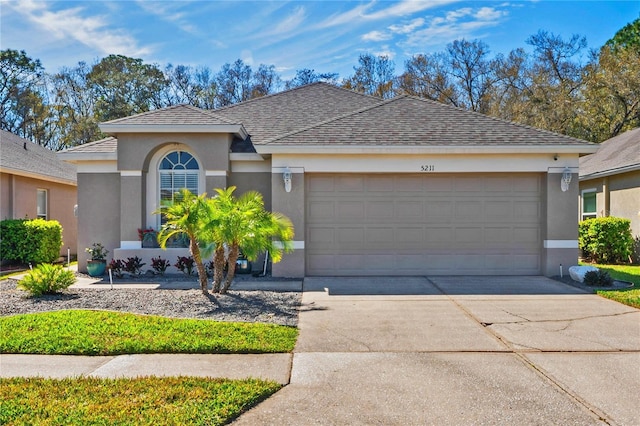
577, 273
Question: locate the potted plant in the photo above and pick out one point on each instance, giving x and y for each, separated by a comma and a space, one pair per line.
98, 262
149, 237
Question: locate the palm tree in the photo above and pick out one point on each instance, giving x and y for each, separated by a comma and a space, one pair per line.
244, 223
186, 216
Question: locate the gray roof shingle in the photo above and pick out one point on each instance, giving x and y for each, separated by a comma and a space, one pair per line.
173, 115
411, 121
20, 155
280, 113
106, 145
619, 153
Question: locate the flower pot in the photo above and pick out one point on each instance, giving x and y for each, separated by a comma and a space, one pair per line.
96, 268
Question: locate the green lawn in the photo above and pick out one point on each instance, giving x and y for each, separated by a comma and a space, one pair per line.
631, 273
85, 332
141, 401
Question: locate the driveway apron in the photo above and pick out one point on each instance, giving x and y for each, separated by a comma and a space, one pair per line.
458, 350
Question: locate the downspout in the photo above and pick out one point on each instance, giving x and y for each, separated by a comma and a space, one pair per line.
605, 197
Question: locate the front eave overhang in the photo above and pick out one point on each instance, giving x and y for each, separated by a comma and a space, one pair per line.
115, 129
444, 150
32, 175
610, 172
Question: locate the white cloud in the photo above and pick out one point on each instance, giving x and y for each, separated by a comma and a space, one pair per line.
291, 22
489, 14
376, 36
385, 51
247, 57
402, 8
93, 31
407, 28
455, 24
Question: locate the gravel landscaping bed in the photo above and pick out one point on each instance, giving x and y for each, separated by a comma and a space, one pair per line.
246, 306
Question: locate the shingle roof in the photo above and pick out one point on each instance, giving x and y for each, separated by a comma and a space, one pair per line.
19, 155
280, 113
173, 115
411, 121
106, 145
618, 154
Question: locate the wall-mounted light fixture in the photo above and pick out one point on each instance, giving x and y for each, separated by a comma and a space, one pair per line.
286, 177
566, 180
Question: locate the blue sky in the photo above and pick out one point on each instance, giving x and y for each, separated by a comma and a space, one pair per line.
326, 36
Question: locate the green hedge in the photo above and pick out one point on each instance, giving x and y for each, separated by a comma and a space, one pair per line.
30, 241
606, 239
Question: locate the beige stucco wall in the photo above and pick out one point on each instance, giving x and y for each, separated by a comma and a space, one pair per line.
260, 182
134, 150
98, 213
19, 200
291, 204
560, 230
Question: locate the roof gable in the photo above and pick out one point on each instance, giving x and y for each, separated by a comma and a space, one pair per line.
291, 110
411, 121
616, 155
20, 156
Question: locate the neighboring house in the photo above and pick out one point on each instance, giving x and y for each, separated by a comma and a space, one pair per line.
35, 183
610, 180
405, 186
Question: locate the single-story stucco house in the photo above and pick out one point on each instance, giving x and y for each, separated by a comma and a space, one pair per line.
404, 186
35, 183
610, 180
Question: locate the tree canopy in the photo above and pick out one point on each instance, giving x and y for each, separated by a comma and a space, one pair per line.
554, 84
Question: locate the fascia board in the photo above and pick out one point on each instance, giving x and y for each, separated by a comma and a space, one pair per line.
246, 156
32, 175
114, 129
376, 149
610, 172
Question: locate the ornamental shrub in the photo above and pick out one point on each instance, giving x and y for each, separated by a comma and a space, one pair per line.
30, 241
606, 239
117, 266
159, 265
47, 279
598, 278
133, 265
185, 264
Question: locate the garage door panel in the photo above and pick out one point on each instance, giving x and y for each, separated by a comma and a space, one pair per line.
380, 209
351, 183
423, 224
438, 210
409, 210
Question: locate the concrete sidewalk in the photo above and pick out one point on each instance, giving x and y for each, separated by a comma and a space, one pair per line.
274, 367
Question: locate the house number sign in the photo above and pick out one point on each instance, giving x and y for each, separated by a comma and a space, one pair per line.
427, 168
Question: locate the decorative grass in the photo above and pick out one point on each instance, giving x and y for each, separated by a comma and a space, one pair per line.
140, 401
85, 332
628, 296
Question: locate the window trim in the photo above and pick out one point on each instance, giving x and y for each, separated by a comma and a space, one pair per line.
588, 215
44, 216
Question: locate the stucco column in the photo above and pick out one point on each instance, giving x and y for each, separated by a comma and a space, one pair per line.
292, 205
131, 208
560, 233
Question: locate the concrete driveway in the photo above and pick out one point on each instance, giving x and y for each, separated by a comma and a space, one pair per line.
458, 350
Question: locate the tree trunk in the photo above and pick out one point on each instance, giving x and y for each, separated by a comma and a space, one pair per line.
202, 272
218, 268
234, 251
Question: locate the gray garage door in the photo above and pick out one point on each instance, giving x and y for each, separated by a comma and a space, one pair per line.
460, 224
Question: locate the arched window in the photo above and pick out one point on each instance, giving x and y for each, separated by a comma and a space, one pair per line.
177, 170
